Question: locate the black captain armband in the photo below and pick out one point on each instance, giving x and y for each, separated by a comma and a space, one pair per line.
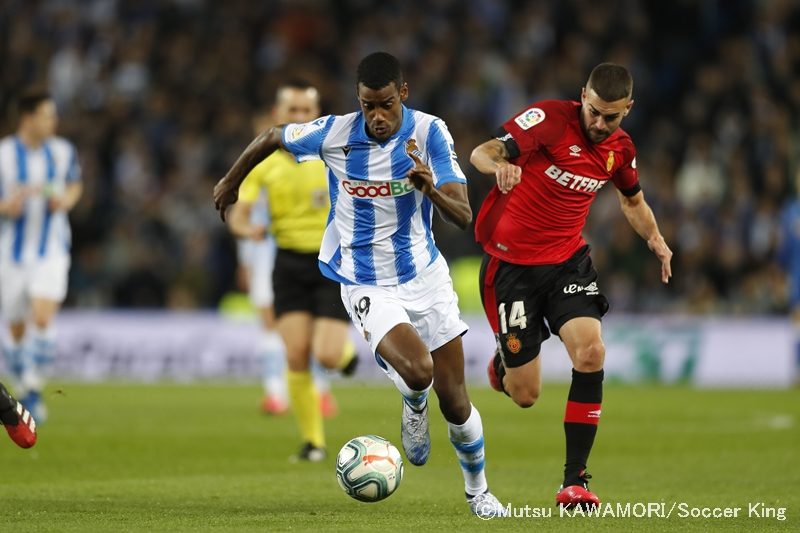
511, 145
632, 191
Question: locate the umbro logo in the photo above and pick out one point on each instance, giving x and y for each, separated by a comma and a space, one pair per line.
346, 150
574, 150
593, 414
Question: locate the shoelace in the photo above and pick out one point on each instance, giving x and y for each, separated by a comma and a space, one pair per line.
415, 422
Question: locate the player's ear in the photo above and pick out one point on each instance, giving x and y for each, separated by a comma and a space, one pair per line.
628, 108
403, 92
583, 94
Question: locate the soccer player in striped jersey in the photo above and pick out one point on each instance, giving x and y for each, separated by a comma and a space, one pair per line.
40, 182
388, 167
310, 316
550, 162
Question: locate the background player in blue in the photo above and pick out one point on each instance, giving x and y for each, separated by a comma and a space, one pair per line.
39, 184
387, 167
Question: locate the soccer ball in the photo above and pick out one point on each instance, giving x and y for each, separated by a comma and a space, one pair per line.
369, 468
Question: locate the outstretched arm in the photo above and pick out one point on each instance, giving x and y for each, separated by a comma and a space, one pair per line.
450, 198
226, 191
641, 218
492, 157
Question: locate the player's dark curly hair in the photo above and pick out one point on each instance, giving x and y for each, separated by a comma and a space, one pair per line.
378, 70
611, 82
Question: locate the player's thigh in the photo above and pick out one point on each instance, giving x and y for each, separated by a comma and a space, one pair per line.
574, 311
381, 317
49, 279
295, 328
513, 298
329, 339
432, 305
14, 293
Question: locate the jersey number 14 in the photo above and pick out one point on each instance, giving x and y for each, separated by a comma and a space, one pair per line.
515, 319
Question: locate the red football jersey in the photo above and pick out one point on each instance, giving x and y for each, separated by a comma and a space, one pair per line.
540, 220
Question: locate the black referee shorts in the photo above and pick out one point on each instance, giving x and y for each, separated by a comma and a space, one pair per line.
300, 286
521, 300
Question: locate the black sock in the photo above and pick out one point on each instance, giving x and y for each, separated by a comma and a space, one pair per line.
580, 422
8, 416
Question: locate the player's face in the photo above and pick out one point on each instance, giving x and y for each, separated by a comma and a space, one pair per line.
296, 105
599, 118
382, 108
44, 120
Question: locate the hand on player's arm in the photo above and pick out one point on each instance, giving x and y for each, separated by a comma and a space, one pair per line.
491, 157
67, 200
658, 246
450, 199
641, 218
226, 191
12, 205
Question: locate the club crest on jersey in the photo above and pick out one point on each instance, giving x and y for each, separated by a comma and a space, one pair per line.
530, 118
610, 161
412, 148
513, 344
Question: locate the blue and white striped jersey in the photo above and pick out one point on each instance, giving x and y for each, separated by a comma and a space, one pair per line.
37, 233
379, 227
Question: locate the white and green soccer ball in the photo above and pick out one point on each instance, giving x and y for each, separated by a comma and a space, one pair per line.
369, 468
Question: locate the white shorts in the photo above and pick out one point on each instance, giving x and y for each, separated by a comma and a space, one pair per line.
428, 302
19, 283
261, 264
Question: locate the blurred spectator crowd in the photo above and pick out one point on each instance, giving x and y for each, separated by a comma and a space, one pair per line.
158, 97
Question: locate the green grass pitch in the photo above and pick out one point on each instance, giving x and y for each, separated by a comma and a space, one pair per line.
201, 457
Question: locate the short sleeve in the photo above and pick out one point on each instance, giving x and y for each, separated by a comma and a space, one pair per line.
442, 155
304, 141
626, 178
538, 125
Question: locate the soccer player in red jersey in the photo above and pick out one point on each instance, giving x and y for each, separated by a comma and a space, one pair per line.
550, 161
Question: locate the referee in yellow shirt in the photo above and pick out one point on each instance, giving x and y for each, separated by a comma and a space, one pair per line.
308, 307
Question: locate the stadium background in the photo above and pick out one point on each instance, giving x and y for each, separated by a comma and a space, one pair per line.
157, 96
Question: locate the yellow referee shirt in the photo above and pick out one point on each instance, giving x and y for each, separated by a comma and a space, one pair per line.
298, 199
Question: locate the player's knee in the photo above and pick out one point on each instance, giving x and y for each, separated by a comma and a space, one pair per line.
418, 374
524, 397
41, 321
590, 356
329, 357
